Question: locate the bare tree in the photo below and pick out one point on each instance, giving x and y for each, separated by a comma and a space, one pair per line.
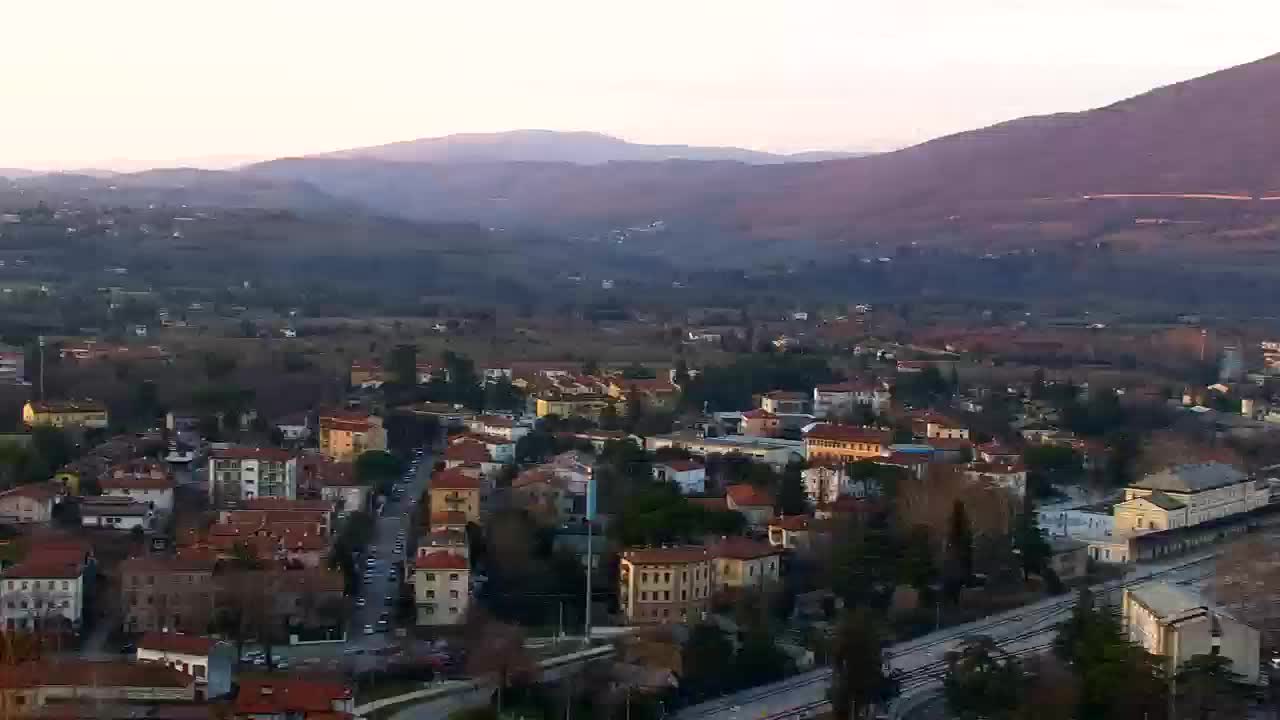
496, 650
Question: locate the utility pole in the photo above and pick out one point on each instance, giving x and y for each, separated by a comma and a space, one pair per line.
40, 349
591, 520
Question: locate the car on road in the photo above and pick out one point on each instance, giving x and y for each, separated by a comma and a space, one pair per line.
386, 600
370, 562
361, 602
383, 626
368, 629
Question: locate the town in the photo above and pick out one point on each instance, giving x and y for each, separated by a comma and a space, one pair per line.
877, 525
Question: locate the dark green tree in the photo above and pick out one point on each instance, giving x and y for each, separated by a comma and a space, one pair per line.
706, 656
959, 556
402, 366
792, 499
1208, 689
860, 678
982, 682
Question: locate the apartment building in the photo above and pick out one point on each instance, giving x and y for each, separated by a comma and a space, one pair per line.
688, 475
12, 364
42, 593
167, 593
27, 504
454, 489
209, 661
344, 435
835, 400
442, 587
664, 585
781, 402
239, 474
845, 443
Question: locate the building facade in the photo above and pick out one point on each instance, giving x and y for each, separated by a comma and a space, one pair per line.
65, 413
238, 474
845, 443
664, 585
442, 588
345, 435
1177, 624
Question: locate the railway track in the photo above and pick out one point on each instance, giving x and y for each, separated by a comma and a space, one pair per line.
1042, 619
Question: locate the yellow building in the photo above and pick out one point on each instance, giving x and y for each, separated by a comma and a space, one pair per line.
441, 588
587, 406
739, 562
1186, 495
65, 413
453, 490
664, 585
344, 435
846, 443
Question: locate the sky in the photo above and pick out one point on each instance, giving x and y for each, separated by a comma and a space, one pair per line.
143, 83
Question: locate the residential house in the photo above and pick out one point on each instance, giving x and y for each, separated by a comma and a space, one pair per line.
453, 489
207, 660
442, 588
760, 423
115, 512
845, 443
655, 394
740, 563
755, 504
575, 468
65, 413
27, 504
275, 697
1177, 624
344, 434
498, 426
790, 532
998, 454
572, 405
781, 402
500, 449
825, 482
1010, 477
837, 400
167, 593
146, 482
27, 687
544, 495
294, 428
366, 373
283, 510
239, 474
664, 585
688, 475
935, 426
42, 593
1186, 495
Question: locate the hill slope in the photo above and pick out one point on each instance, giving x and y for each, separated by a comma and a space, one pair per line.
1213, 134
579, 148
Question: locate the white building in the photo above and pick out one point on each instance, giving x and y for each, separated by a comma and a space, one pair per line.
442, 588
824, 484
155, 492
773, 451
115, 513
689, 476
37, 594
497, 426
237, 474
208, 661
1177, 624
28, 503
346, 494
1186, 495
836, 399
1010, 477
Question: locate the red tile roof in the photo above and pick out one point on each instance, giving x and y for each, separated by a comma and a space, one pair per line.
281, 695
759, 414
666, 556
37, 567
794, 523
681, 465
36, 491
849, 433
740, 548
287, 505
185, 562
178, 643
136, 482
743, 495
441, 560
848, 386
249, 453
453, 479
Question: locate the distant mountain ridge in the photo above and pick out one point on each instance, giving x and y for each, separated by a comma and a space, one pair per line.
578, 147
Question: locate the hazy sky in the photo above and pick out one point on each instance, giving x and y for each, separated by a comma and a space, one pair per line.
136, 83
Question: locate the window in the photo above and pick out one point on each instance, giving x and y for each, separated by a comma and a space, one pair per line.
666, 594
644, 577
430, 577
66, 585
453, 594
666, 577
200, 671
25, 584
684, 594
644, 596
453, 577
453, 610
431, 609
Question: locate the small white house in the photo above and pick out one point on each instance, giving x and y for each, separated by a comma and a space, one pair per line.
688, 475
116, 513
155, 492
208, 661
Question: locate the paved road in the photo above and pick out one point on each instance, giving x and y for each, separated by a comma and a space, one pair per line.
1024, 630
